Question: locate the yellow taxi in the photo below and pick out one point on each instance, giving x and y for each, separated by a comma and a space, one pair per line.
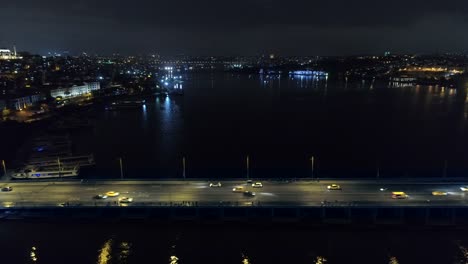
399, 195
439, 193
238, 189
112, 194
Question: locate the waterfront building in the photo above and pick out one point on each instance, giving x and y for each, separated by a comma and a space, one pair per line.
21, 101
76, 90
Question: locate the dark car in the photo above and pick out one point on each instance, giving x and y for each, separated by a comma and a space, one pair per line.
249, 193
7, 189
100, 196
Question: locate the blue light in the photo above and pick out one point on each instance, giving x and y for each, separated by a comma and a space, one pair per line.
314, 73
166, 83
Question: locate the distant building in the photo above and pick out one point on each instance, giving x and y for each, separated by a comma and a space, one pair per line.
3, 104
19, 102
75, 91
6, 54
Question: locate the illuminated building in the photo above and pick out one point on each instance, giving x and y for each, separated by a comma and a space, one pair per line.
20, 102
75, 91
6, 54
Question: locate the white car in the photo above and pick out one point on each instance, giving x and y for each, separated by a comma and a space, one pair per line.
7, 189
215, 184
257, 185
126, 200
464, 188
334, 187
100, 196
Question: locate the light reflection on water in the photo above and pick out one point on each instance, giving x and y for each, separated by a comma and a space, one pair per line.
173, 260
105, 252
125, 250
114, 244
368, 110
245, 259
320, 260
33, 254
393, 260
463, 254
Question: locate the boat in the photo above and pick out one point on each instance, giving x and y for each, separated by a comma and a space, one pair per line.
51, 144
129, 104
50, 138
175, 91
46, 172
82, 161
51, 155
309, 73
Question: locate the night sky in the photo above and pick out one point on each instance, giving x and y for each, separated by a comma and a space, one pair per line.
241, 27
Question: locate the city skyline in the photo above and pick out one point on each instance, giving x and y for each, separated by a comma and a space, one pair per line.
247, 28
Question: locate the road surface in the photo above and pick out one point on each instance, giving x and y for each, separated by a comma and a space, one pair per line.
198, 193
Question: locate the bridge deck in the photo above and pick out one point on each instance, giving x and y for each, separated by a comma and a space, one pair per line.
198, 193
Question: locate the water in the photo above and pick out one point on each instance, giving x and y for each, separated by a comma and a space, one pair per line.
119, 243
352, 129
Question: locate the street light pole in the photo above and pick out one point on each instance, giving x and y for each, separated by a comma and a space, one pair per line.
4, 167
378, 170
312, 160
445, 169
248, 167
121, 168
183, 167
59, 167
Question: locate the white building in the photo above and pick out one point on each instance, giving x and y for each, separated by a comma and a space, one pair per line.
75, 90
6, 54
22, 101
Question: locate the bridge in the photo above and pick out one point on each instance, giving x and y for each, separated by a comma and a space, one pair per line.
367, 201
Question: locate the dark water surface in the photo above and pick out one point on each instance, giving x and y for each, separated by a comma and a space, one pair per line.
106, 243
351, 129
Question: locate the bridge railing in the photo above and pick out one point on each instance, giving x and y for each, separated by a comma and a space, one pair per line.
100, 204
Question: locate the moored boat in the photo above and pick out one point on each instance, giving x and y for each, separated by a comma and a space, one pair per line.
43, 172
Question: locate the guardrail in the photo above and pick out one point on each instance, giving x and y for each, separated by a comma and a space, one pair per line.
303, 204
